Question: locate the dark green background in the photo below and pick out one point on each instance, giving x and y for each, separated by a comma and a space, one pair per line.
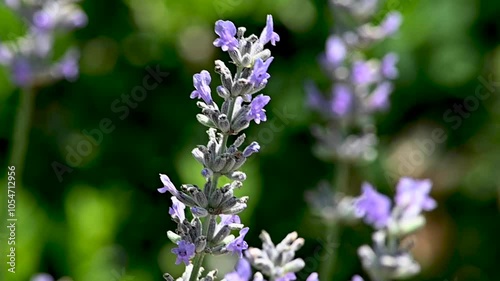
106, 221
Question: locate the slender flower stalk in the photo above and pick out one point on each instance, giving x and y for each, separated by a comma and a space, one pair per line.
361, 87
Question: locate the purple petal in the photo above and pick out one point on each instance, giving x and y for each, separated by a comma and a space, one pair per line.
335, 50
391, 23
268, 33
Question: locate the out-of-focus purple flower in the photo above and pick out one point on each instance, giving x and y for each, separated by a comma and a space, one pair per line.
167, 185
6, 55
373, 206
315, 99
238, 245
257, 111
357, 278
363, 73
379, 99
78, 19
22, 72
391, 23
201, 82
413, 196
226, 31
388, 68
268, 33
259, 74
335, 50
184, 251
289, 276
177, 209
68, 66
251, 149
313, 277
229, 219
43, 20
42, 277
342, 100
242, 271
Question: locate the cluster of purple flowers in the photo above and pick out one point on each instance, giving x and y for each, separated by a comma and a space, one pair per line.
388, 259
30, 58
361, 85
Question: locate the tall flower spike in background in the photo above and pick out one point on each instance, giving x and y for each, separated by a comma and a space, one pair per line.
31, 62
360, 87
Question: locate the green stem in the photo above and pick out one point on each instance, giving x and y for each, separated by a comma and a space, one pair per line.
198, 260
333, 228
20, 138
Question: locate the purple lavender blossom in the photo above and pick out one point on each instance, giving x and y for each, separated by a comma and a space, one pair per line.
342, 99
68, 66
43, 20
257, 111
335, 50
268, 33
22, 72
289, 276
177, 209
167, 185
413, 196
363, 73
315, 99
391, 23
229, 219
388, 68
201, 82
184, 251
238, 245
313, 277
226, 31
373, 206
6, 55
42, 277
242, 271
379, 99
259, 74
357, 278
251, 149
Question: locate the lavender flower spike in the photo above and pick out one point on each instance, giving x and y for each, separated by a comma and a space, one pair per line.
257, 111
259, 75
373, 206
413, 196
201, 82
184, 251
226, 31
251, 149
238, 245
168, 185
268, 33
242, 271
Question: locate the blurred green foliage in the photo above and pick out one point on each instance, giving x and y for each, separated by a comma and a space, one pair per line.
105, 220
